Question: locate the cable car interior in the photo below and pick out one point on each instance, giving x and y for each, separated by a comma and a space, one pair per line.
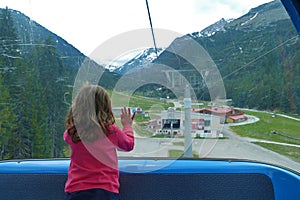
183, 177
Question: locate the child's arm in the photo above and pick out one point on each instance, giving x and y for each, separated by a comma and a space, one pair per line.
126, 139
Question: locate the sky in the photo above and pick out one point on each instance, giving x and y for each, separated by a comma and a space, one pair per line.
87, 24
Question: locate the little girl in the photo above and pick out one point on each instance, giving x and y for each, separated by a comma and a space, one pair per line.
94, 138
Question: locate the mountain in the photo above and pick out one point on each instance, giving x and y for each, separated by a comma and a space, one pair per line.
144, 57
212, 29
257, 55
149, 55
261, 17
32, 34
256, 19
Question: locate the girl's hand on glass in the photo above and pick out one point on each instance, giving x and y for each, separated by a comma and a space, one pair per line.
126, 118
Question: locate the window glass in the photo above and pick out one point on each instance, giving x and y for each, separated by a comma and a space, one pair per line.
221, 80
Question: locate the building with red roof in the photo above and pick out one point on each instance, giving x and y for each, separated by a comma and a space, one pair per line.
227, 115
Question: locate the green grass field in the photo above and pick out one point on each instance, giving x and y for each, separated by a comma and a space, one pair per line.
263, 129
289, 130
122, 99
291, 152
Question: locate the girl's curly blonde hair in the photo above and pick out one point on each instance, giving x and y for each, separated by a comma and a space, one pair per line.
90, 112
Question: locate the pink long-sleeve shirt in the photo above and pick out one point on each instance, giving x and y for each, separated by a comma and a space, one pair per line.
95, 165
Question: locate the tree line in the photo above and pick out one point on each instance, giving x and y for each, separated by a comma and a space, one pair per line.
33, 84
259, 67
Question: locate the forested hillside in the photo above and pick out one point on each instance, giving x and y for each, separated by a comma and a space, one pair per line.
258, 56
37, 71
32, 104
258, 71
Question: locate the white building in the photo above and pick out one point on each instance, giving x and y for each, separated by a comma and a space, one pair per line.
172, 123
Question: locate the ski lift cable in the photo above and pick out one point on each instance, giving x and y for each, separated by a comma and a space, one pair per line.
153, 37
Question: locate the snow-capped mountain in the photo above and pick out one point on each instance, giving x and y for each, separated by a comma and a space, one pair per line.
260, 17
145, 56
257, 18
212, 29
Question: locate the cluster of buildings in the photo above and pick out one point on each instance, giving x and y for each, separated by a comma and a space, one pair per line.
205, 122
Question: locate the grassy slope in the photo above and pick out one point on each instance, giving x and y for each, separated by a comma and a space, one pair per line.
288, 129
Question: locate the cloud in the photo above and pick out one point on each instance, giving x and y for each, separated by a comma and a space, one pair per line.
87, 24
213, 11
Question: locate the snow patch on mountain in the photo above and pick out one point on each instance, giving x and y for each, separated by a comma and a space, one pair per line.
212, 29
145, 56
255, 15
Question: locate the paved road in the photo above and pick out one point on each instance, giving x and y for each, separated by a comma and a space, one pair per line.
235, 147
238, 147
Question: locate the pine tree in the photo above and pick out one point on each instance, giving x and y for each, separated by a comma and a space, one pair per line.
5, 120
37, 107
13, 83
52, 78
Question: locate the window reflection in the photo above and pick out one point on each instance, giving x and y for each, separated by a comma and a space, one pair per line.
256, 54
